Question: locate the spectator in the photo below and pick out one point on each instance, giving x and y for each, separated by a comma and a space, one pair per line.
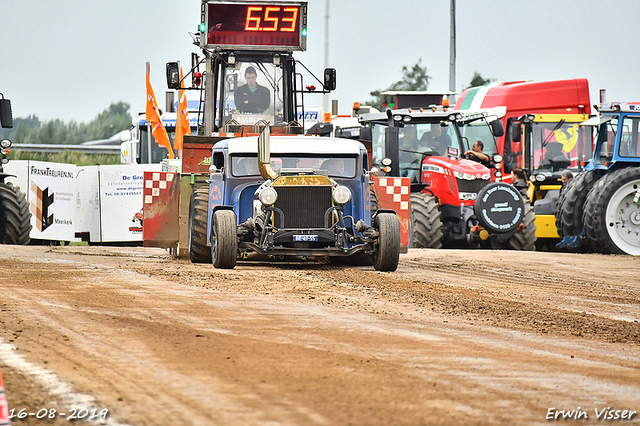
520, 181
566, 177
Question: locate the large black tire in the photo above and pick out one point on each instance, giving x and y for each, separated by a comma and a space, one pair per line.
425, 222
387, 255
15, 217
614, 219
525, 238
373, 201
199, 252
591, 228
569, 221
559, 204
224, 239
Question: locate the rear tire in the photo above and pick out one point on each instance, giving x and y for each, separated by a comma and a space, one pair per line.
592, 228
15, 217
614, 220
387, 255
199, 252
426, 222
224, 239
525, 239
569, 214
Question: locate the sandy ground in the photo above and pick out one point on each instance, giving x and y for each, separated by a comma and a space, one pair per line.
450, 338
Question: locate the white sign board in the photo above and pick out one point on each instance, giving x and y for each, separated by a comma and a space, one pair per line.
121, 201
87, 204
20, 171
52, 199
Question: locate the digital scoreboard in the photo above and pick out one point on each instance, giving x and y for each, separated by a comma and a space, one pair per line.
242, 25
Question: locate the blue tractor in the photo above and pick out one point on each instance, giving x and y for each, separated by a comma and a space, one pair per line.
600, 208
299, 197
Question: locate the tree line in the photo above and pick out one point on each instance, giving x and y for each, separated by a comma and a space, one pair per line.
415, 78
32, 130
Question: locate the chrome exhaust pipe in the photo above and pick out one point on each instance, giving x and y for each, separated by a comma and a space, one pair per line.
264, 154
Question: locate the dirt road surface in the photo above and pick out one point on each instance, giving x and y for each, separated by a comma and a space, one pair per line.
450, 338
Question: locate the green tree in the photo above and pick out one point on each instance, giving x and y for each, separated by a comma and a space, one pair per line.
477, 80
111, 121
414, 78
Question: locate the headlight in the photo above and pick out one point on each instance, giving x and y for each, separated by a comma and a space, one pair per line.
487, 176
497, 158
341, 194
5, 143
540, 178
268, 196
466, 176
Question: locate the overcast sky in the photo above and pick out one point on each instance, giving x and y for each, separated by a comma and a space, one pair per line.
70, 59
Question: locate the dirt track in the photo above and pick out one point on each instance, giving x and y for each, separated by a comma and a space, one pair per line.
452, 337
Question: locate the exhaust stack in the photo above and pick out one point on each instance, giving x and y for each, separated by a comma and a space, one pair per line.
264, 155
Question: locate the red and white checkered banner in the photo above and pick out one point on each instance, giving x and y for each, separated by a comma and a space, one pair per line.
393, 193
155, 183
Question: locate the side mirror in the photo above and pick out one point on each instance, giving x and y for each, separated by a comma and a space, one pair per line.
125, 136
6, 117
516, 132
497, 128
329, 79
173, 75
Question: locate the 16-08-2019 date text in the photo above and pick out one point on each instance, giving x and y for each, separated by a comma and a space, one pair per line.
52, 413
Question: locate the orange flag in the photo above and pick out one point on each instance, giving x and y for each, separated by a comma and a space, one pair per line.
153, 116
182, 118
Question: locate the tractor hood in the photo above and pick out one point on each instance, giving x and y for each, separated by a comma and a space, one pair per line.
459, 167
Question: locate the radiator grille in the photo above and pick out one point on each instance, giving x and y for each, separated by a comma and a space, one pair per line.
472, 186
304, 206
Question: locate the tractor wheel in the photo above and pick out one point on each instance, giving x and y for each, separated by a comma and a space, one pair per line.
15, 217
198, 207
525, 238
559, 204
387, 255
224, 239
591, 227
374, 201
614, 221
569, 214
425, 224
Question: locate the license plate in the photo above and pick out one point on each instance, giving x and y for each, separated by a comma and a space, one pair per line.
305, 238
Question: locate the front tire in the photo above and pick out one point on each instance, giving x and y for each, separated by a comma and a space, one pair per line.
15, 217
224, 239
387, 255
426, 222
199, 252
614, 221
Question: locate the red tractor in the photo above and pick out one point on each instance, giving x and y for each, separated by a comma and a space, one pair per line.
452, 200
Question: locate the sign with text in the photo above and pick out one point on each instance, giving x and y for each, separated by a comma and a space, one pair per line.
121, 201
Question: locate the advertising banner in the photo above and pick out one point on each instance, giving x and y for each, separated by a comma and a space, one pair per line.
121, 201
87, 204
52, 200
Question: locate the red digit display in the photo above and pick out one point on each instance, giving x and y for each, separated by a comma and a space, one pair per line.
245, 25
